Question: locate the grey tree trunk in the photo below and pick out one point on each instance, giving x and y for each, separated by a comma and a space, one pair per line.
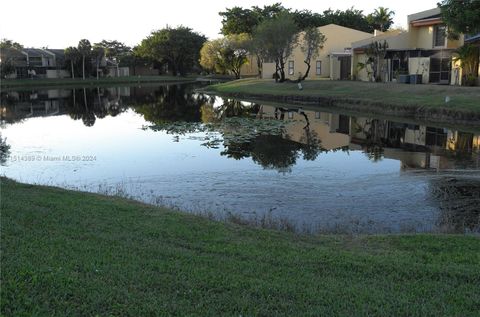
308, 70
83, 67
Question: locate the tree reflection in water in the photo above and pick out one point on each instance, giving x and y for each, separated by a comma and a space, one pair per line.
170, 104
89, 104
249, 129
374, 142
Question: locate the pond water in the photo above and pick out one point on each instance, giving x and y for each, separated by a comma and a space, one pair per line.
305, 169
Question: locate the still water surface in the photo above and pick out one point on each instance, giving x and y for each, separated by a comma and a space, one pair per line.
315, 170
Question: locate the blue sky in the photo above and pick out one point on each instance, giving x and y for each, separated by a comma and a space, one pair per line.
58, 24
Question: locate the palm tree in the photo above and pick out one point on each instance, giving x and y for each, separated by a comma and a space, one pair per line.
382, 18
467, 56
85, 49
72, 54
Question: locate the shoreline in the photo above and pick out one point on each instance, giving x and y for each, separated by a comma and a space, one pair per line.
60, 244
67, 82
408, 107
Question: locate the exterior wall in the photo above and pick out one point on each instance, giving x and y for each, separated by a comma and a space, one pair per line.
395, 40
122, 72
338, 39
12, 75
456, 76
421, 37
456, 43
143, 71
360, 74
334, 66
420, 66
57, 73
478, 78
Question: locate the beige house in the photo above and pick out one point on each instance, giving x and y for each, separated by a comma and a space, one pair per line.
333, 61
422, 50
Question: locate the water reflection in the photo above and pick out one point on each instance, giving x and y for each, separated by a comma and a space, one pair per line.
321, 157
306, 133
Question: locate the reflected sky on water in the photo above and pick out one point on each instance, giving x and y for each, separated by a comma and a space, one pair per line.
320, 171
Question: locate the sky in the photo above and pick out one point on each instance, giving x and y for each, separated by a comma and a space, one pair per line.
62, 23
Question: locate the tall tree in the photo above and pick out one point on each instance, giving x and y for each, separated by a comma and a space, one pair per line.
84, 48
350, 18
7, 67
7, 61
307, 19
278, 36
238, 20
211, 56
269, 11
467, 55
72, 54
179, 47
381, 19
115, 51
6, 43
226, 54
461, 16
312, 43
236, 52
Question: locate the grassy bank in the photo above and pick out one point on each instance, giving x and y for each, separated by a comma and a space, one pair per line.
415, 101
70, 253
47, 82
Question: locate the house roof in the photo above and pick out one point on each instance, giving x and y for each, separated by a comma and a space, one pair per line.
427, 22
424, 16
35, 52
57, 52
336, 26
472, 38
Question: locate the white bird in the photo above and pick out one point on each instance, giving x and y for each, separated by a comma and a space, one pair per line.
447, 99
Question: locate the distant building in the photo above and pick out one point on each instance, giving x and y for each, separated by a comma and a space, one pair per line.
36, 62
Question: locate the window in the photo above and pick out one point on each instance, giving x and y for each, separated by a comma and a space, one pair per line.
291, 67
318, 68
439, 36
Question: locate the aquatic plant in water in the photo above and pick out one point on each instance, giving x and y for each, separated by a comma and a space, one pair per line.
226, 131
4, 150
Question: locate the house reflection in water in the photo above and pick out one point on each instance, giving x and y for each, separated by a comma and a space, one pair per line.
78, 103
415, 146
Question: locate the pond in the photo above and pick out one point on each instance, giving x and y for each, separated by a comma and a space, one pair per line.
304, 169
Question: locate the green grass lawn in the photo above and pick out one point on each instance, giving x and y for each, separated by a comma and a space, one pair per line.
461, 98
68, 253
47, 82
